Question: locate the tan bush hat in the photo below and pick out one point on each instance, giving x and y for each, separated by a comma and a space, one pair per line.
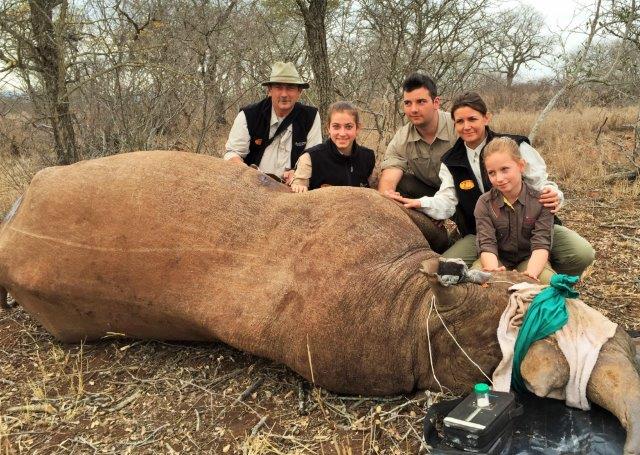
285, 73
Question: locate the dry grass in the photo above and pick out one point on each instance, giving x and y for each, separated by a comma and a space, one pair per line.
125, 396
567, 140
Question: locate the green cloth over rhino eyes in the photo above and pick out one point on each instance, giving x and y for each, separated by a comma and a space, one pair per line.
546, 314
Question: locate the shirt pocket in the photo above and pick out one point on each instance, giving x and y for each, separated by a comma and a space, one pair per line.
502, 229
528, 223
426, 169
286, 139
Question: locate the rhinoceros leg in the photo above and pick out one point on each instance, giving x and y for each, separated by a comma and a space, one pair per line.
544, 368
614, 382
615, 385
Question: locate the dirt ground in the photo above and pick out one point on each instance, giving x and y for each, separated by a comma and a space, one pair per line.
126, 396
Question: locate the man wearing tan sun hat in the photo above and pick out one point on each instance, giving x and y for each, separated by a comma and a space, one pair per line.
274, 132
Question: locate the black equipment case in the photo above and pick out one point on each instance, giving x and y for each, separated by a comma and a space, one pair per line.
481, 429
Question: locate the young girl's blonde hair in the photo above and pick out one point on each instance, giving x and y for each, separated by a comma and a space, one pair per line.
503, 144
343, 106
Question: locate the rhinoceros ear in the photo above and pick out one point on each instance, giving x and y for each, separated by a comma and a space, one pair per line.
430, 266
446, 296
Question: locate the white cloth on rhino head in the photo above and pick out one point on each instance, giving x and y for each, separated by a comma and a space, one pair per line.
580, 340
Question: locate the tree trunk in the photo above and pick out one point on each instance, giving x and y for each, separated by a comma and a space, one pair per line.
314, 16
51, 65
635, 155
510, 76
543, 115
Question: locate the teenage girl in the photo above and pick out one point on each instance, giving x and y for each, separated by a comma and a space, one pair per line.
338, 161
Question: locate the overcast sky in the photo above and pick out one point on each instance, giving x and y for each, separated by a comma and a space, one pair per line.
561, 16
559, 13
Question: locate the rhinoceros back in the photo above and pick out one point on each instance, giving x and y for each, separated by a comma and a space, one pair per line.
173, 245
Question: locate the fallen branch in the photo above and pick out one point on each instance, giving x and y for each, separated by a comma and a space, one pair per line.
44, 407
260, 424
84, 441
224, 377
149, 439
600, 129
624, 175
625, 226
127, 401
249, 390
302, 398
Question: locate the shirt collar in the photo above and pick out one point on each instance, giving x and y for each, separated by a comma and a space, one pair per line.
476, 151
522, 197
443, 127
274, 118
499, 200
496, 197
442, 133
339, 154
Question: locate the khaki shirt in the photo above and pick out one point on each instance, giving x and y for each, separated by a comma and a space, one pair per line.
411, 153
513, 232
302, 176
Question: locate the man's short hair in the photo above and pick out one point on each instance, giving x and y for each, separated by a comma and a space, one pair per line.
418, 80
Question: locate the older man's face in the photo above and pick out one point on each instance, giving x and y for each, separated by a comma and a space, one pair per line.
283, 97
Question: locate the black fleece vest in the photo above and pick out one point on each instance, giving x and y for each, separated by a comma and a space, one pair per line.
465, 182
330, 167
258, 123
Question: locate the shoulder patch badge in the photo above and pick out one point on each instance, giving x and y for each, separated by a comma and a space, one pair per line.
467, 184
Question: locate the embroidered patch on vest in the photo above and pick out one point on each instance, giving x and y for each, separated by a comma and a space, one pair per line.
467, 185
258, 141
301, 144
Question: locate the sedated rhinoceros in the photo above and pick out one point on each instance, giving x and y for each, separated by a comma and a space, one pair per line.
173, 245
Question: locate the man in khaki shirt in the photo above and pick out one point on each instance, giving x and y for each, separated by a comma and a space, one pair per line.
412, 161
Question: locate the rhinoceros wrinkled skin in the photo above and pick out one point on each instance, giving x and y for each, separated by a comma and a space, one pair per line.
179, 246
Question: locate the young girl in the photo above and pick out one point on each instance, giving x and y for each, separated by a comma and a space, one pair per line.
339, 161
513, 228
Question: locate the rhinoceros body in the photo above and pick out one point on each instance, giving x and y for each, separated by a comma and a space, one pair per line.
171, 245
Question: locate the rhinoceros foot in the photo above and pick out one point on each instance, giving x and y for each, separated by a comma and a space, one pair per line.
614, 383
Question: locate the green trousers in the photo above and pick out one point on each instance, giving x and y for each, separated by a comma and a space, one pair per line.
571, 254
